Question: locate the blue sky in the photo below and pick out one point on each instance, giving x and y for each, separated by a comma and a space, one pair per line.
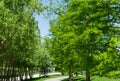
43, 25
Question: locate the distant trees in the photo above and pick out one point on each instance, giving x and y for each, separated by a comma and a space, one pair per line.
42, 59
84, 33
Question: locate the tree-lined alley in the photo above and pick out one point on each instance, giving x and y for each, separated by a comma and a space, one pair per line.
84, 37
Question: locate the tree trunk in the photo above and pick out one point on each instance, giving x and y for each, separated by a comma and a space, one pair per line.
21, 74
25, 72
14, 76
76, 73
71, 78
30, 72
87, 75
62, 73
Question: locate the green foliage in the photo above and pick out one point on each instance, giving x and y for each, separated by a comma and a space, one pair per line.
86, 35
42, 58
114, 74
19, 34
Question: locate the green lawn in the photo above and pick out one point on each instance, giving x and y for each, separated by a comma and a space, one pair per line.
97, 78
94, 78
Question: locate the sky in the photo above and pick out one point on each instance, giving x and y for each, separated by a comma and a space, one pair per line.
43, 25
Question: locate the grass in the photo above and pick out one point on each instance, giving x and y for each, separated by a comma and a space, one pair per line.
94, 78
79, 78
45, 78
97, 78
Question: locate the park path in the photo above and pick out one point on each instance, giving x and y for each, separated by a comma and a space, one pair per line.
54, 73
37, 75
57, 79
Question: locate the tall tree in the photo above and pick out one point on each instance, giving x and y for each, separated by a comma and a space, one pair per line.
19, 33
90, 24
64, 47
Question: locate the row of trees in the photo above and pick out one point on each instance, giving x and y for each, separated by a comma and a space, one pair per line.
20, 48
85, 36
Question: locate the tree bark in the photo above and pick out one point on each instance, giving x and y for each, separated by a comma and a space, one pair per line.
26, 73
87, 75
30, 72
71, 78
62, 73
21, 74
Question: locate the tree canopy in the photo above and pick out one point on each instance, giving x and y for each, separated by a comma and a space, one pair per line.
86, 30
19, 34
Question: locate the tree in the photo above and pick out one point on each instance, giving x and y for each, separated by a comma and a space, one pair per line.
91, 24
19, 33
64, 48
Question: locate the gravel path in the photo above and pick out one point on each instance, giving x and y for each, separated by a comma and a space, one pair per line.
57, 79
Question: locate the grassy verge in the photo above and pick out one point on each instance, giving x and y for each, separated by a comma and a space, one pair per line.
94, 78
97, 78
45, 78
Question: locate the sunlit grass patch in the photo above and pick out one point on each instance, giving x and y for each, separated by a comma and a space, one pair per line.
93, 78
